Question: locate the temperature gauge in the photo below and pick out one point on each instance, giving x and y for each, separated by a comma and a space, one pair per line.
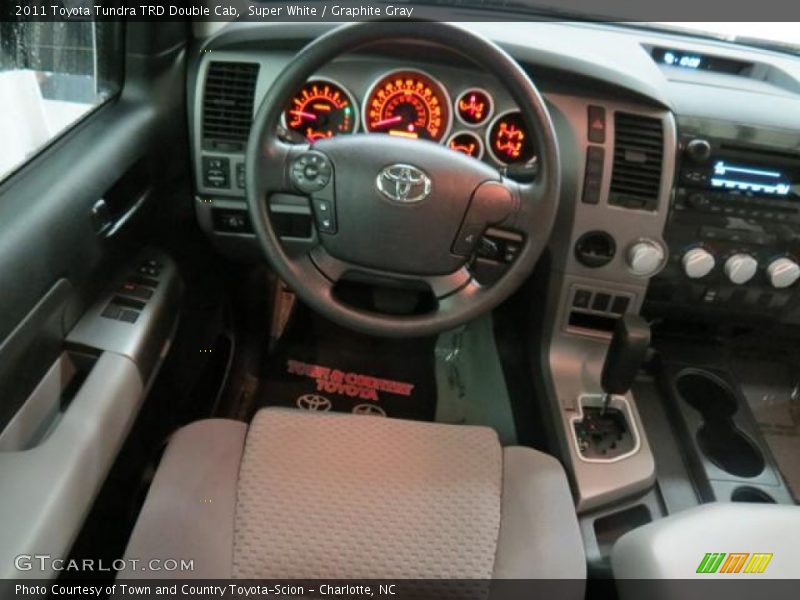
474, 106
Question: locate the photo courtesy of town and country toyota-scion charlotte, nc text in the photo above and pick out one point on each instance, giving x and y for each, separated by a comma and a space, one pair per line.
271, 11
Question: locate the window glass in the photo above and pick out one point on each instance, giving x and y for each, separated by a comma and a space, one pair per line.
52, 75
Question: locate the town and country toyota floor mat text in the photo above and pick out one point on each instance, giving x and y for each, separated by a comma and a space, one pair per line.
320, 366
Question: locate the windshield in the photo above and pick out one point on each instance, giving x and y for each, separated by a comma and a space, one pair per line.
782, 35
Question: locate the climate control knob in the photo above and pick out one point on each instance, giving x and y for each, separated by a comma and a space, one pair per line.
783, 272
740, 268
697, 263
645, 258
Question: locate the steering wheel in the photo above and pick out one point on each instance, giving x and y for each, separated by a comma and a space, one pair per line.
390, 209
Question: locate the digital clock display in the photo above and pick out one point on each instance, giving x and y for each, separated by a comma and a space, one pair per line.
693, 61
687, 61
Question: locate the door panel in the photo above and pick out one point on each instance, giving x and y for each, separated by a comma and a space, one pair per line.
65, 407
47, 232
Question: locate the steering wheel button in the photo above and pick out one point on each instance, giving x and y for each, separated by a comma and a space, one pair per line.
326, 225
467, 238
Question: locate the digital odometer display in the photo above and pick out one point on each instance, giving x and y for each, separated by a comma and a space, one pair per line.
408, 104
321, 109
509, 140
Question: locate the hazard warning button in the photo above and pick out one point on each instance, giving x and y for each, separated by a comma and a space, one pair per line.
597, 124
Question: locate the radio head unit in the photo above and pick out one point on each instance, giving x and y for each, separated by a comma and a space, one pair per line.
733, 230
741, 171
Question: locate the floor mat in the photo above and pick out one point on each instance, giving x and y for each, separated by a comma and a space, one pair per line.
774, 397
320, 366
472, 388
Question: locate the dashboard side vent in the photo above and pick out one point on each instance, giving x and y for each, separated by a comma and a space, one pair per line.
638, 161
228, 105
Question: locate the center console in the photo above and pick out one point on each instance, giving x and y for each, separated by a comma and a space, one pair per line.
606, 248
734, 227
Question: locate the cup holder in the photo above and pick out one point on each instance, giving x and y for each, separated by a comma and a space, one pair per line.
718, 437
751, 494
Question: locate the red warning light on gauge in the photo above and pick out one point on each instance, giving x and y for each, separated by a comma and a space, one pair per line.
467, 143
474, 106
509, 140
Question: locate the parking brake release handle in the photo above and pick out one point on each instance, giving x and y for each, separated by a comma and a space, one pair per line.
627, 350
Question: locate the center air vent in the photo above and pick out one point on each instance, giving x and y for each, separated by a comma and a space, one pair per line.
228, 105
638, 161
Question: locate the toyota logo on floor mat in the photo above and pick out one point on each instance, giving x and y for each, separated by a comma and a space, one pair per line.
369, 409
314, 402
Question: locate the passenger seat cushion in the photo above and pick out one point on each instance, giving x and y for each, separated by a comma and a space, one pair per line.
189, 510
343, 496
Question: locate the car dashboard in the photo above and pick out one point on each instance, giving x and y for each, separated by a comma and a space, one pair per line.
645, 122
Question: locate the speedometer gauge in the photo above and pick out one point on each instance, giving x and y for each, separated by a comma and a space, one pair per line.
321, 109
409, 104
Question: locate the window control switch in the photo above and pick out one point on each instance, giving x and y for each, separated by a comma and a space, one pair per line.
135, 291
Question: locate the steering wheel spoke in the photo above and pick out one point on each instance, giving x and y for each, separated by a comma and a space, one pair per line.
440, 286
536, 199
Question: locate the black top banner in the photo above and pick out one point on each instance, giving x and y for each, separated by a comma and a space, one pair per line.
439, 10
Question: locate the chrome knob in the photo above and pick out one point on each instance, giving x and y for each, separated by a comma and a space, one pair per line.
699, 150
740, 268
783, 272
698, 262
645, 258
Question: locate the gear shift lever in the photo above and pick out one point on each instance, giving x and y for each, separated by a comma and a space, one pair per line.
629, 343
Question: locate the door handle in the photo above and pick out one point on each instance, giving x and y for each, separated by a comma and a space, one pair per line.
101, 217
106, 223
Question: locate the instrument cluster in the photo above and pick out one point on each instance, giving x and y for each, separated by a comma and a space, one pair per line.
412, 104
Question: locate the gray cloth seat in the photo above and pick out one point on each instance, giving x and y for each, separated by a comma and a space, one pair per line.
322, 495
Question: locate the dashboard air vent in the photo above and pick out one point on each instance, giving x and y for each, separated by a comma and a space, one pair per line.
228, 105
638, 161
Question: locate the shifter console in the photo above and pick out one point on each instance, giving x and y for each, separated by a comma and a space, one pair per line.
603, 433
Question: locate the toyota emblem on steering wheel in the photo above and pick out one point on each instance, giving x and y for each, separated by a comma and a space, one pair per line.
404, 183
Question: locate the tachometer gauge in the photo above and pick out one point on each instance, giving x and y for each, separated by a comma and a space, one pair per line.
321, 109
408, 104
509, 140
